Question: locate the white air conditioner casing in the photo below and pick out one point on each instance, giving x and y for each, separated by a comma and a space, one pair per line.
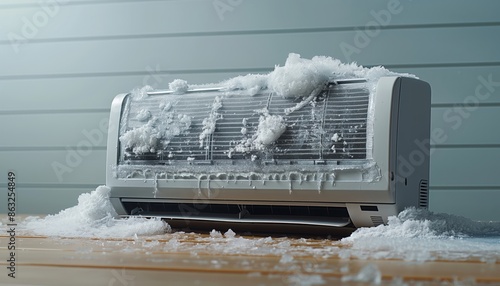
352, 156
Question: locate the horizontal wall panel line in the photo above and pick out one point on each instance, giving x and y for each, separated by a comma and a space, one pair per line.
250, 32
464, 146
234, 70
464, 187
183, 35
37, 4
47, 148
54, 111
443, 65
136, 73
479, 104
52, 186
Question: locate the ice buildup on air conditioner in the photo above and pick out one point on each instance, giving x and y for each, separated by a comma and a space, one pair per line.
313, 144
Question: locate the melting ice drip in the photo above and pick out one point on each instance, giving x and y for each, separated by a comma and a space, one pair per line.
203, 180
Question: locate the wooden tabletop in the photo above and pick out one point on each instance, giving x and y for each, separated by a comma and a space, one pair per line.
201, 259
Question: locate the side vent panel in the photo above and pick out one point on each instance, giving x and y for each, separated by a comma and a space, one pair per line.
423, 200
377, 220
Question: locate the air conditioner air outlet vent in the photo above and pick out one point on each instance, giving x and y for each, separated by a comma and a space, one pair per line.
309, 215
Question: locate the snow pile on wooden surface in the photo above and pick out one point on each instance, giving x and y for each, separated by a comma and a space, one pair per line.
93, 216
421, 223
421, 235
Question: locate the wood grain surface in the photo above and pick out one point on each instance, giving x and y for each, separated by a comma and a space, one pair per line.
200, 259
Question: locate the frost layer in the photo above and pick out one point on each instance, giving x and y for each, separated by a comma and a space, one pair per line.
143, 139
94, 216
146, 138
299, 81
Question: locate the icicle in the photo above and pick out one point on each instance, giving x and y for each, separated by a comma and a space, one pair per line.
208, 186
200, 177
332, 179
293, 176
320, 182
156, 186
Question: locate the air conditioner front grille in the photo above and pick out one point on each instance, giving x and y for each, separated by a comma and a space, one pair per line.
332, 127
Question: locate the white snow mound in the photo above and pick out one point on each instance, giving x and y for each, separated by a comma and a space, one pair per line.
298, 77
270, 128
251, 83
178, 86
94, 216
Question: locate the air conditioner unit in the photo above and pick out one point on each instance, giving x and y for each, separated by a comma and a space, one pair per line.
351, 155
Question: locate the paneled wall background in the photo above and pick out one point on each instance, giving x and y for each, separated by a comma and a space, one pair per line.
62, 62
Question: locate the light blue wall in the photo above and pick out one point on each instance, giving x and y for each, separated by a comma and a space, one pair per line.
62, 62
